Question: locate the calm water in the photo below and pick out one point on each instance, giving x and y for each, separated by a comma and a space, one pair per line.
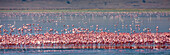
106, 21
85, 51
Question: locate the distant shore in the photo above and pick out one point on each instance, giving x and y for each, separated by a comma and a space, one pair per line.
92, 10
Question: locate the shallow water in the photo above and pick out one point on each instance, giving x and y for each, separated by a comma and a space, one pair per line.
106, 21
85, 51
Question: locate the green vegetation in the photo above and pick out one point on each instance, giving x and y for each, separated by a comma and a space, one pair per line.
93, 10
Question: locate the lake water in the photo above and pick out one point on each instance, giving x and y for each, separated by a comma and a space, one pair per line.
85, 52
109, 22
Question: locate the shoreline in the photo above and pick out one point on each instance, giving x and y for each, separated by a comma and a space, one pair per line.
92, 10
